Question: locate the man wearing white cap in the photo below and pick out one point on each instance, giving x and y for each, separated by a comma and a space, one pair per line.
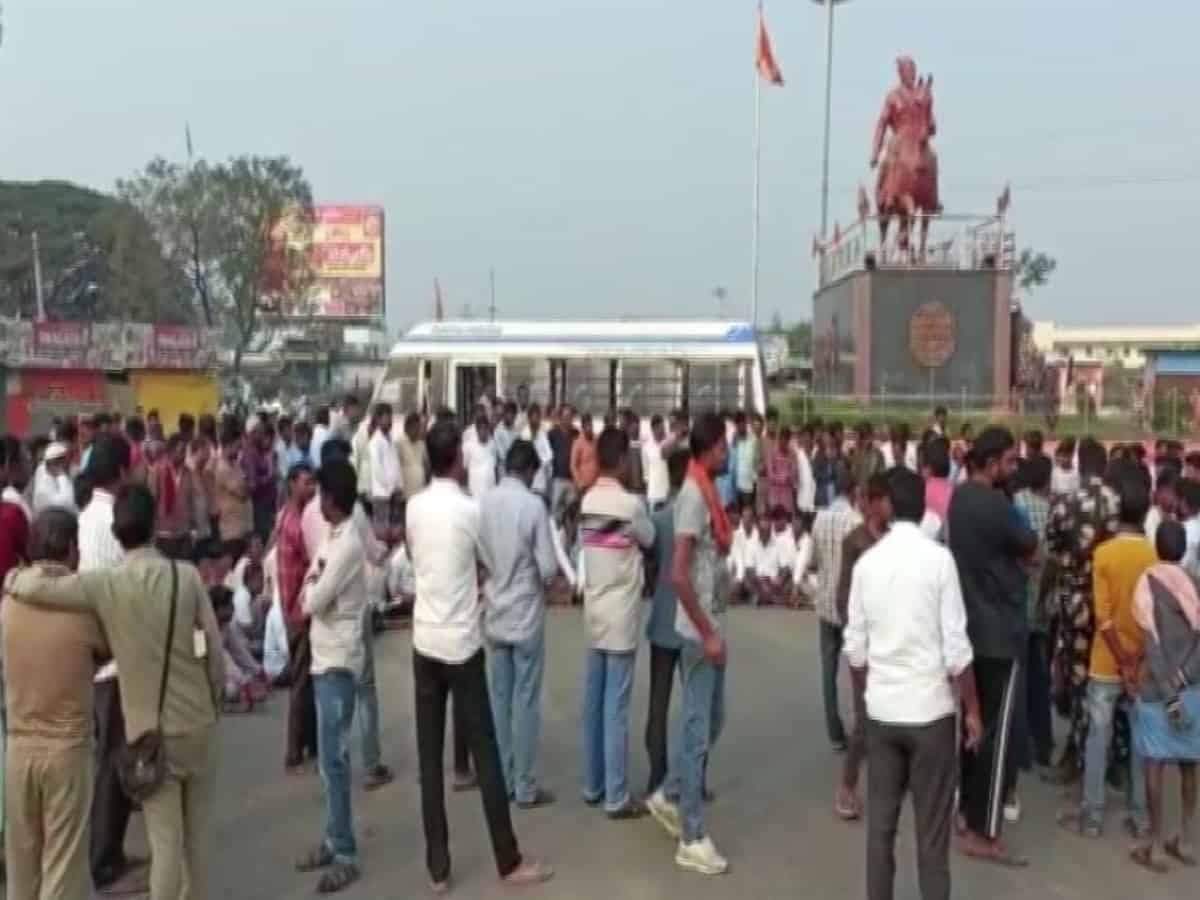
51, 484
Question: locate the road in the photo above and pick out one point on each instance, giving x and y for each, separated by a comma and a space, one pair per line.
773, 774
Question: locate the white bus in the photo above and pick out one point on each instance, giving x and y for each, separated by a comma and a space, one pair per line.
650, 366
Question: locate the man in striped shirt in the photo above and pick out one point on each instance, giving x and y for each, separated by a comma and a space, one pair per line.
614, 529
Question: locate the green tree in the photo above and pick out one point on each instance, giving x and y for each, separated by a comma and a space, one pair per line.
800, 338
1034, 268
99, 257
219, 224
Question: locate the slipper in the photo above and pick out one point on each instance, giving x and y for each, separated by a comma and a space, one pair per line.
1143, 856
340, 877
1175, 849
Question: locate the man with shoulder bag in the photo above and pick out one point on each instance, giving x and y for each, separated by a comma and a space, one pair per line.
165, 639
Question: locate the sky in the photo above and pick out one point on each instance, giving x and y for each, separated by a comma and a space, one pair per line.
598, 154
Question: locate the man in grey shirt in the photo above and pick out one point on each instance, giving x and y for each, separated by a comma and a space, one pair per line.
700, 578
516, 548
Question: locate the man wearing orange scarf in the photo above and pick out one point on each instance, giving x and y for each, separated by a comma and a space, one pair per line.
700, 576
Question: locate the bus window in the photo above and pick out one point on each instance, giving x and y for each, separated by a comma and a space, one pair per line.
650, 386
714, 386
399, 385
586, 385
436, 371
533, 373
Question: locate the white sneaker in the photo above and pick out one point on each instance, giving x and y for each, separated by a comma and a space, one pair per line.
1012, 811
665, 813
701, 856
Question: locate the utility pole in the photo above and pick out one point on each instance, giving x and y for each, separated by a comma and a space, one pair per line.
492, 293
39, 303
828, 4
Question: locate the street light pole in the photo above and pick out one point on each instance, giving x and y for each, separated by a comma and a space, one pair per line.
828, 4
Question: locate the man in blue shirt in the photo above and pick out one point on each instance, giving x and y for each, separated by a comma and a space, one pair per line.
660, 626
517, 550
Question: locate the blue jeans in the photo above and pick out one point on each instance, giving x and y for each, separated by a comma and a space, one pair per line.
368, 701
703, 719
607, 685
1102, 697
334, 691
515, 678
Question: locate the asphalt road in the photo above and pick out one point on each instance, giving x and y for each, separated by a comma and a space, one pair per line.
773, 773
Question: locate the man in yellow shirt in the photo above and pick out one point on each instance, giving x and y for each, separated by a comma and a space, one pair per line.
1116, 654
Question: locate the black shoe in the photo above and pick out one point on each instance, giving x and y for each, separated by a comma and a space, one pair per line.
543, 797
632, 809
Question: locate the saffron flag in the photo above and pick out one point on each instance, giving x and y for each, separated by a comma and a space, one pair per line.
764, 59
438, 312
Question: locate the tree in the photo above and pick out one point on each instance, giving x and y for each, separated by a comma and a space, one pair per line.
99, 257
221, 225
1034, 268
800, 338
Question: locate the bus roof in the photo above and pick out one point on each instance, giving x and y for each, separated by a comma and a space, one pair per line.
535, 338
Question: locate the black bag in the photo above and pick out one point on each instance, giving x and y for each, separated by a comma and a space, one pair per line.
142, 765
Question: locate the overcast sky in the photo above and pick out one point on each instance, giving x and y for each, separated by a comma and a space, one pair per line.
598, 152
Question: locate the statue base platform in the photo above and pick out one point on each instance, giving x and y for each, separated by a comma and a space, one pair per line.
920, 335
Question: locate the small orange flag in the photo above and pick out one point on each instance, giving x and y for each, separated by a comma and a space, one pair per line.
764, 59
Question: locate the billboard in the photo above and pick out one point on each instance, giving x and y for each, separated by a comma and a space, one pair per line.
344, 248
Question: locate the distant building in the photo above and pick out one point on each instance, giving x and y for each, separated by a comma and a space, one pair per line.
1123, 345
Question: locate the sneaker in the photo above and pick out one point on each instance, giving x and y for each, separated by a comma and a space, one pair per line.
665, 813
1012, 810
701, 856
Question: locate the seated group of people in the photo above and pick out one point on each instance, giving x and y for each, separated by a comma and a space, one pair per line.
245, 599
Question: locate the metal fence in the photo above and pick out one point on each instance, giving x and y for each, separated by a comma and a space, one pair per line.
1169, 414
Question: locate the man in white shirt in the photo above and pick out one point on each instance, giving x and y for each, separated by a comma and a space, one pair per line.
334, 596
655, 450
448, 660
414, 461
100, 550
386, 480
539, 436
906, 641
51, 483
806, 483
320, 434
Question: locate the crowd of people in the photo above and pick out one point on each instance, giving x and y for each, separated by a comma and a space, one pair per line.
974, 585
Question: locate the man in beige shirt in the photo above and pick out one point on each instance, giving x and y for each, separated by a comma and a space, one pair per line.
232, 495
49, 767
132, 603
414, 459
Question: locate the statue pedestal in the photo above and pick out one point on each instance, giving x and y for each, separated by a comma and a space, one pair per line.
890, 329
915, 335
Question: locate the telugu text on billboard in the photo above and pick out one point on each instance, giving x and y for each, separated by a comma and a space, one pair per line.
343, 245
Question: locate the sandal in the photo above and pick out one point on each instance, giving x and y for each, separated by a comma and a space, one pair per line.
1144, 857
994, 854
1176, 849
340, 877
318, 858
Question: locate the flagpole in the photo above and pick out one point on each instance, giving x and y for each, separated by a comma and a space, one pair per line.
757, 163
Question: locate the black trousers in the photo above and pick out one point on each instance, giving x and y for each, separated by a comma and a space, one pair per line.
1037, 682
434, 683
663, 663
458, 737
302, 704
110, 807
988, 772
916, 759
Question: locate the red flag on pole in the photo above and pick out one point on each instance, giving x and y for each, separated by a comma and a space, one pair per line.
764, 59
438, 312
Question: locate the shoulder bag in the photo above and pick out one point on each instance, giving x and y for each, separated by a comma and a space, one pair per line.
142, 765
